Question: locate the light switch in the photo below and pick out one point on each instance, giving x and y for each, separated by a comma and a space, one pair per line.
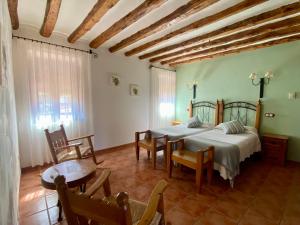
270, 115
292, 95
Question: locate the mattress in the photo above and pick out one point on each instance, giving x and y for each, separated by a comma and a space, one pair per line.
235, 147
179, 131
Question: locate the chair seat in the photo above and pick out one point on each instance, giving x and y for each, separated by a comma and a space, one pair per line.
186, 157
148, 144
137, 209
71, 154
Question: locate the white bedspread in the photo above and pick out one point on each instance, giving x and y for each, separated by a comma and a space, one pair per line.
179, 131
248, 143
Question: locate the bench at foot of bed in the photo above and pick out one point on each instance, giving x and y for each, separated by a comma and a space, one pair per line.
199, 160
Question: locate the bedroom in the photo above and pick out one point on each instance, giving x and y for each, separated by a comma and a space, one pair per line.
115, 68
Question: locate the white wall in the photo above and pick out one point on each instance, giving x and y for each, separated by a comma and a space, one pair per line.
118, 115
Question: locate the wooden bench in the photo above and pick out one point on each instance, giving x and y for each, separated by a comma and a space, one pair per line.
198, 160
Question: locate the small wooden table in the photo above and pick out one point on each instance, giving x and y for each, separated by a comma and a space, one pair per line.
76, 172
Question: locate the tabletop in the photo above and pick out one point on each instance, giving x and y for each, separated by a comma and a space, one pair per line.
76, 172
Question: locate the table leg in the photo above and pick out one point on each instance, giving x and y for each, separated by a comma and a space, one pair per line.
59, 210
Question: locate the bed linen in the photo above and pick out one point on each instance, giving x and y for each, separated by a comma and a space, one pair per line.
230, 149
179, 131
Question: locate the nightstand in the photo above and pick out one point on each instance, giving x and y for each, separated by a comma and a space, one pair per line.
176, 122
275, 148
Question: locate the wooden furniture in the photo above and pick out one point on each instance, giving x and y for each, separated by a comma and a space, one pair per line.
275, 148
199, 160
241, 111
151, 144
207, 112
63, 149
83, 209
175, 122
76, 173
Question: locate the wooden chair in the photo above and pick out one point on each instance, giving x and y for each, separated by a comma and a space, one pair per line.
84, 208
61, 149
151, 144
199, 160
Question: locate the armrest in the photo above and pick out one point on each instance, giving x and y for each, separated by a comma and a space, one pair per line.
210, 153
160, 137
98, 183
68, 146
154, 204
142, 132
83, 137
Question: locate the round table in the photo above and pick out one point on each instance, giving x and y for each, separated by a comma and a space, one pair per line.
76, 172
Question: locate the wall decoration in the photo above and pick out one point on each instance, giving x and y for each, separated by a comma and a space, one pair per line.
115, 80
134, 90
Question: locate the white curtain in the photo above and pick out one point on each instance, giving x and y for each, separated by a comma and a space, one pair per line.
53, 87
163, 88
9, 152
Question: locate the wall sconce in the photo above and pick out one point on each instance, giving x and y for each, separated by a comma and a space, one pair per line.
193, 85
262, 81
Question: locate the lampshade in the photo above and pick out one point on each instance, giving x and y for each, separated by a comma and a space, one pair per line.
269, 75
252, 76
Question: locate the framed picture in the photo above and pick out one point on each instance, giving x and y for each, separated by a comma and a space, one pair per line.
134, 90
115, 80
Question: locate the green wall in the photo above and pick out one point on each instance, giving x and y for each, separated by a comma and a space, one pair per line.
227, 78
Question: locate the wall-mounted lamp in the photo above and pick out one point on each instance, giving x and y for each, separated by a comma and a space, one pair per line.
193, 85
262, 81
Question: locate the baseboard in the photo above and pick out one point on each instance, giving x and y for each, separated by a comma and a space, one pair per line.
115, 148
97, 152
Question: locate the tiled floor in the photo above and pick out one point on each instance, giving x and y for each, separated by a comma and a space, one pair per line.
263, 194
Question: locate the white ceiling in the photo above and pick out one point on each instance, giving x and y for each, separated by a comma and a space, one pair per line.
72, 13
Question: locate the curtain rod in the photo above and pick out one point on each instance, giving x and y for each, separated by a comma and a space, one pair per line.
161, 68
76, 49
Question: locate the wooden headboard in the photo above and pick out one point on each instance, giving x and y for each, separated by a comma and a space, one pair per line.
242, 111
205, 110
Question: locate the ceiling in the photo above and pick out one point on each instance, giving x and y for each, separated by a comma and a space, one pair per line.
73, 12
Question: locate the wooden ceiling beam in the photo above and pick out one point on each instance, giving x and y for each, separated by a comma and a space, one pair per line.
176, 16
283, 11
13, 12
98, 11
142, 10
246, 4
235, 51
239, 44
234, 37
50, 18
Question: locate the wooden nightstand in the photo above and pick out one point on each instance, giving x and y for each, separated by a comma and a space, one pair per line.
274, 148
176, 122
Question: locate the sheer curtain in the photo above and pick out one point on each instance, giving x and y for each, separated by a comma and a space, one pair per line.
163, 87
9, 152
52, 87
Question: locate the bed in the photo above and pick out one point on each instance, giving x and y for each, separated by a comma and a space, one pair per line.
230, 149
207, 113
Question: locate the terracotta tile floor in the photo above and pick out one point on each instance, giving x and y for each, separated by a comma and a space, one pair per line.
263, 194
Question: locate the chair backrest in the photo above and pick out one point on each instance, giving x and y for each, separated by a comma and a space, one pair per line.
56, 139
79, 208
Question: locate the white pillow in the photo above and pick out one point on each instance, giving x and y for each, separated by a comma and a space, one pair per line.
194, 122
233, 127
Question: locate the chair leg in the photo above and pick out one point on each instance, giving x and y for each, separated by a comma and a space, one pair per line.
148, 154
137, 152
170, 168
154, 158
199, 179
210, 171
165, 158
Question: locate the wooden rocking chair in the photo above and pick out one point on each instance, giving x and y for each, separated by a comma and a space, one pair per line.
85, 209
61, 149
